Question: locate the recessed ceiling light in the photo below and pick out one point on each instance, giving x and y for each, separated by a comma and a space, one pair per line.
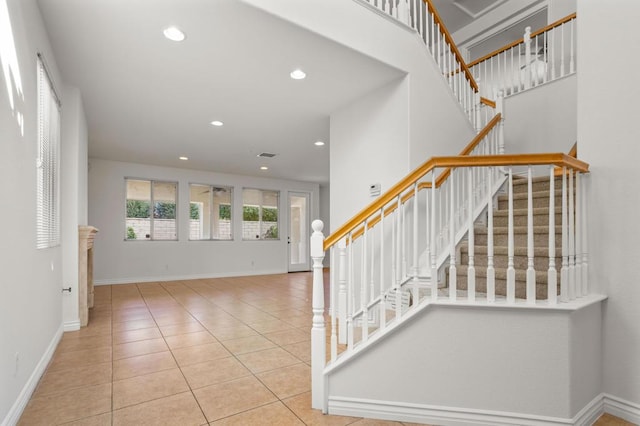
264, 168
298, 74
183, 158
174, 33
318, 143
217, 123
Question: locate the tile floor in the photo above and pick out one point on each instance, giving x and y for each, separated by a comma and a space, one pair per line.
227, 351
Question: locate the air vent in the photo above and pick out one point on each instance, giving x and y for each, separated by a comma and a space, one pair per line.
266, 155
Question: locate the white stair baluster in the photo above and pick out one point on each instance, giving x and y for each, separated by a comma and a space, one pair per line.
511, 272
332, 306
342, 294
432, 252
552, 53
578, 232
572, 241
471, 271
531, 272
364, 322
552, 274
383, 307
545, 57
318, 334
491, 272
572, 64
415, 268
562, 62
351, 297
564, 270
452, 245
585, 247
527, 58
398, 259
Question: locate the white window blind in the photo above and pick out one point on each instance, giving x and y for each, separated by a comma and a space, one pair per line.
47, 162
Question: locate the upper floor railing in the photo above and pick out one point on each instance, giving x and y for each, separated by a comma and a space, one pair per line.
539, 57
422, 16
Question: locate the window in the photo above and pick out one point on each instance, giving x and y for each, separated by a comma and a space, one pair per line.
260, 214
144, 222
210, 216
47, 163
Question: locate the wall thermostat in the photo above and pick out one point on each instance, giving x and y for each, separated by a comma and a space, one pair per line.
374, 189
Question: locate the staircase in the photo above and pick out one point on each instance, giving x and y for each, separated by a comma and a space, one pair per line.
540, 195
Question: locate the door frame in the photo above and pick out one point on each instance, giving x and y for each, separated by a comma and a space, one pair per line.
306, 265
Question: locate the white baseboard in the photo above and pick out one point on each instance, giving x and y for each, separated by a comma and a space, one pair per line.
627, 410
162, 278
72, 325
455, 416
21, 402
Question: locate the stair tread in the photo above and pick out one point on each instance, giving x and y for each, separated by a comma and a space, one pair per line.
501, 273
504, 250
501, 230
534, 194
524, 212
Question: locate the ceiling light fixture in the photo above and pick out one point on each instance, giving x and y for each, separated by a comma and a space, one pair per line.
298, 74
183, 158
264, 168
217, 123
318, 143
174, 33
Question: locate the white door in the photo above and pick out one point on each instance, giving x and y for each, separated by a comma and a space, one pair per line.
298, 237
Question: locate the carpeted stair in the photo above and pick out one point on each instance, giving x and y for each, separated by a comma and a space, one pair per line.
540, 194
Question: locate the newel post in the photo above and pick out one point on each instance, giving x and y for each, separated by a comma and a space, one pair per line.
318, 334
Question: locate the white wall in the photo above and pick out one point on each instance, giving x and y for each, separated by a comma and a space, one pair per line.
118, 261
74, 198
543, 119
476, 361
429, 122
608, 136
325, 214
31, 303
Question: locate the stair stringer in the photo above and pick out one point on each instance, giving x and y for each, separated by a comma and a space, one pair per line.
452, 364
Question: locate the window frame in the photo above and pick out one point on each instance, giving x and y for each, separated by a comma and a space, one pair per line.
260, 210
152, 219
231, 191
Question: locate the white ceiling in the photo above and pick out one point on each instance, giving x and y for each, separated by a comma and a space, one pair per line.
459, 13
149, 100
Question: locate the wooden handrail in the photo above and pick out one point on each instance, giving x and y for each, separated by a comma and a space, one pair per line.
521, 40
449, 39
556, 159
488, 102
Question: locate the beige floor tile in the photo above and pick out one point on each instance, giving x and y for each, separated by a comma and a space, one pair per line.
143, 364
64, 407
609, 420
288, 337
181, 409
173, 330
201, 353
140, 347
94, 330
229, 398
68, 343
75, 377
168, 319
270, 326
288, 381
233, 332
248, 344
125, 336
189, 339
100, 420
301, 406
148, 387
213, 372
274, 414
134, 324
64, 360
268, 359
301, 350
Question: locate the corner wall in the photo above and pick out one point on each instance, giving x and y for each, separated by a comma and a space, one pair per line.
608, 136
120, 261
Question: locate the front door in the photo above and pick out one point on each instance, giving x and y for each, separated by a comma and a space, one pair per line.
298, 238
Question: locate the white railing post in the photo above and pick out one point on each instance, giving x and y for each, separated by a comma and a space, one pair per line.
342, 292
491, 272
511, 272
500, 110
531, 272
318, 333
527, 58
552, 274
585, 246
471, 270
564, 270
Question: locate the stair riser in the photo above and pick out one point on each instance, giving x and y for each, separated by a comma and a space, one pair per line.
540, 263
503, 202
537, 186
501, 287
521, 220
520, 240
